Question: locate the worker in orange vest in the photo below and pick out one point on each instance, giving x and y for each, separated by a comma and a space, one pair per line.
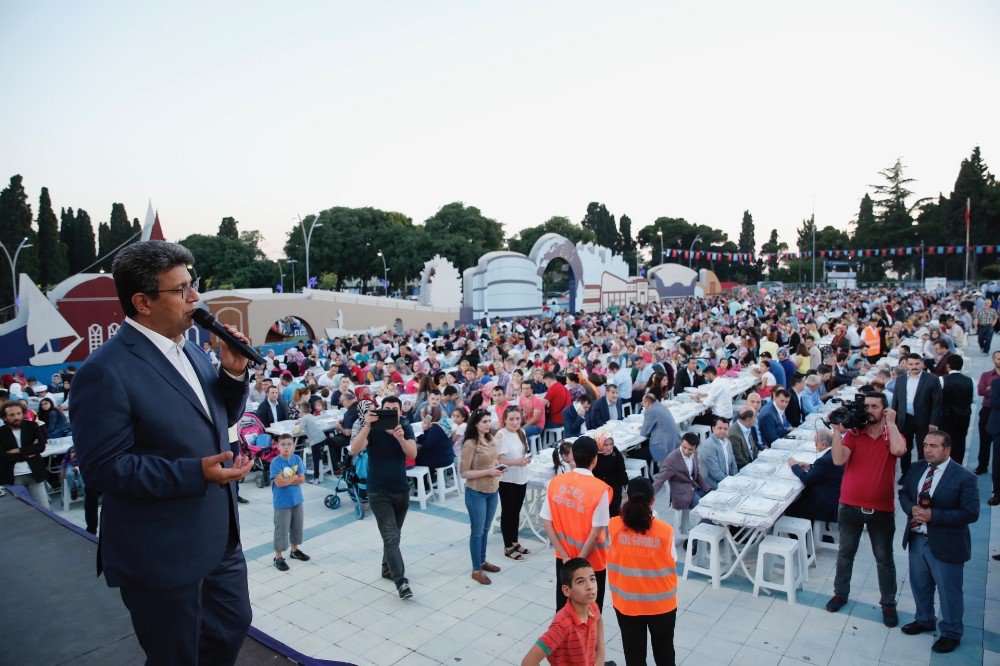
576, 513
871, 338
642, 574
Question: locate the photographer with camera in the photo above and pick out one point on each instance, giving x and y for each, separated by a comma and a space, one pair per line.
867, 447
942, 500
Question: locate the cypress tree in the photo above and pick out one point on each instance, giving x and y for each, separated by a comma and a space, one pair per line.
104, 246
51, 252
83, 251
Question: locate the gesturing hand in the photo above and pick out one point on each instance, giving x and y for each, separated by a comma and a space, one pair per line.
214, 472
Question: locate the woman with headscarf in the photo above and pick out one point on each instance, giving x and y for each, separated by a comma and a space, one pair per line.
434, 447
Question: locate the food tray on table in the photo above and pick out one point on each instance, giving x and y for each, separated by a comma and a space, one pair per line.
739, 484
777, 489
775, 456
722, 500
760, 470
759, 506
790, 444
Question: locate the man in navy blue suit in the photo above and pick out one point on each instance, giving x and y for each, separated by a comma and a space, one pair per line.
150, 421
821, 498
937, 537
606, 408
772, 420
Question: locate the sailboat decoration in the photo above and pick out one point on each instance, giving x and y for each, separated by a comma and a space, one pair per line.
45, 326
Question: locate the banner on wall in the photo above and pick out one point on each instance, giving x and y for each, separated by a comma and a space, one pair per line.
836, 254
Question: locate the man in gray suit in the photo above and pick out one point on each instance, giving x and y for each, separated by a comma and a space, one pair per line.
917, 403
716, 454
659, 427
681, 471
743, 438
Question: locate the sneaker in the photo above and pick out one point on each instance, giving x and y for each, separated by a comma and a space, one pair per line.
889, 616
405, 592
299, 555
835, 603
280, 564
314, 481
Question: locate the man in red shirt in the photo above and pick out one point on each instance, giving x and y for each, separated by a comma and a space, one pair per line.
533, 408
867, 497
557, 398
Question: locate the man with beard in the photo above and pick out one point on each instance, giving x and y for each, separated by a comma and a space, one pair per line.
867, 499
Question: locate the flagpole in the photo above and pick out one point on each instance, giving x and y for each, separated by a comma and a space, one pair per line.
968, 211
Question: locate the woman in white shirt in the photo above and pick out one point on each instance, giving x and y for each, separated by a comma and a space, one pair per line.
512, 445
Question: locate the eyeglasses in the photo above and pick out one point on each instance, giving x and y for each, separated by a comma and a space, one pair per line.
184, 291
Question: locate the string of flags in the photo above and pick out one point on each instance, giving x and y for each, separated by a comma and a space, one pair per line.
832, 254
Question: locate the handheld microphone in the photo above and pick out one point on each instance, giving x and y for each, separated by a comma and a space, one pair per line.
205, 319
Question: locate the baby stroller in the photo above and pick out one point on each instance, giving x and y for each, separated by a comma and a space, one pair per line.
354, 481
258, 446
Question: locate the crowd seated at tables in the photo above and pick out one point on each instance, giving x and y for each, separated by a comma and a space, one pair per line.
578, 372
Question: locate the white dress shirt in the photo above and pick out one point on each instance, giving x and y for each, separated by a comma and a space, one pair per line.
719, 398
938, 471
911, 392
689, 463
21, 467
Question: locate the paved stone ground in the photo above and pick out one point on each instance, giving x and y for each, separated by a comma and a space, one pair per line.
338, 607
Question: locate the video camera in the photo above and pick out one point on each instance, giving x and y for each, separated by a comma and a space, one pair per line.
852, 415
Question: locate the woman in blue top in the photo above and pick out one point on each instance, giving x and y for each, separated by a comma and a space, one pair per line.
435, 449
55, 421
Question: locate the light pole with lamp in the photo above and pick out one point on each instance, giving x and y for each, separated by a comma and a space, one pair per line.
308, 238
292, 262
660, 234
697, 239
13, 267
385, 272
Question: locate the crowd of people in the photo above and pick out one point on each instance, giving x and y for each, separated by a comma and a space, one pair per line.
481, 393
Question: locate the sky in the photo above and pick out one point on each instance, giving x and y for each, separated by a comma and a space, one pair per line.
264, 111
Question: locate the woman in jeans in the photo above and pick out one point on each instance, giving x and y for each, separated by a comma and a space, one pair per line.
512, 444
480, 458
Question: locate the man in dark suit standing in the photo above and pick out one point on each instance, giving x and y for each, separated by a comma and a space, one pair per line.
956, 406
150, 421
690, 375
937, 537
273, 409
821, 498
941, 356
917, 402
797, 384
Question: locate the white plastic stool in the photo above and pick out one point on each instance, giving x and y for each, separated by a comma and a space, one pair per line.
442, 486
535, 444
682, 523
703, 431
713, 537
552, 437
801, 529
787, 549
66, 498
636, 467
420, 494
627, 409
822, 529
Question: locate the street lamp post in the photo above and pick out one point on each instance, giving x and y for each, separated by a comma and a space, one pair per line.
697, 239
385, 272
13, 267
292, 262
308, 238
660, 234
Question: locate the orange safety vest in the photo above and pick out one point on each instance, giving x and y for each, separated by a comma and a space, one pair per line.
873, 345
642, 572
573, 498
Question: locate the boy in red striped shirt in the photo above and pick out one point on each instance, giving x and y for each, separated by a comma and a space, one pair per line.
576, 635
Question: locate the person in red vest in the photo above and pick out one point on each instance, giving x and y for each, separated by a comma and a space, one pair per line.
576, 515
642, 575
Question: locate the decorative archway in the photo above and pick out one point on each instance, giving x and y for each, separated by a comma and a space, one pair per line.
551, 247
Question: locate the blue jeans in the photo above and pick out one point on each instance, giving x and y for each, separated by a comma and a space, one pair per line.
532, 430
482, 507
927, 573
696, 497
73, 479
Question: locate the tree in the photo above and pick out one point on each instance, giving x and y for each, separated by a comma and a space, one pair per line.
136, 228
526, 238
462, 234
773, 247
227, 229
83, 250
53, 267
67, 232
104, 246
749, 272
15, 226
227, 263
746, 242
602, 223
626, 245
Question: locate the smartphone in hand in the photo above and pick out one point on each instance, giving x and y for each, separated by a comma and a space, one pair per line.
502, 467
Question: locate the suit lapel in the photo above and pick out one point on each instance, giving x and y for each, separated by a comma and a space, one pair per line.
144, 348
204, 370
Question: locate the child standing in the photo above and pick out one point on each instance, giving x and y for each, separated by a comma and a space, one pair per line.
576, 635
287, 477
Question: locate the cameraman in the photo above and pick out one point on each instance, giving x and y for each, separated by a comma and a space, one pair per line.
867, 497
